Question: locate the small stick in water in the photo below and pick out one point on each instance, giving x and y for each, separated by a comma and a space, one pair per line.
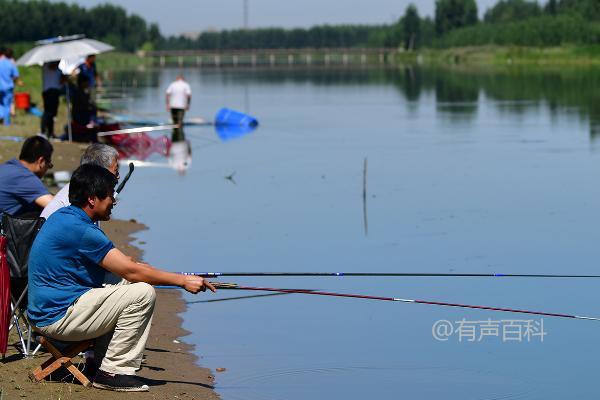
365, 220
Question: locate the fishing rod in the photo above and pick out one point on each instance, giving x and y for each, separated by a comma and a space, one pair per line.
130, 131
224, 285
233, 286
386, 274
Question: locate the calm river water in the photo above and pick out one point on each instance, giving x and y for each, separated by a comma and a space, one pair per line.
467, 172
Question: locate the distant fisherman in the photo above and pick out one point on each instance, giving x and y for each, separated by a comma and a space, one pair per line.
178, 98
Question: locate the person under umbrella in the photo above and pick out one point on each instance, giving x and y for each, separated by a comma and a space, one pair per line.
53, 79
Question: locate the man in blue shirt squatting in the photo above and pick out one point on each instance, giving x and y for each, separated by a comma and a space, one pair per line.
67, 300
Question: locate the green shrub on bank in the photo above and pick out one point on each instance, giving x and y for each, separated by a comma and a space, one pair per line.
539, 32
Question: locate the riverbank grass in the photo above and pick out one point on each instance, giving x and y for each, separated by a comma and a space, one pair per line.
509, 55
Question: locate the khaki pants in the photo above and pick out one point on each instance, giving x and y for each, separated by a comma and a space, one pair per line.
117, 316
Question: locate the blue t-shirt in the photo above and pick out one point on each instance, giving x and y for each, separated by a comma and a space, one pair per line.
19, 187
8, 72
63, 264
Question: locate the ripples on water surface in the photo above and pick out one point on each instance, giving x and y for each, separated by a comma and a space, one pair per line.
467, 172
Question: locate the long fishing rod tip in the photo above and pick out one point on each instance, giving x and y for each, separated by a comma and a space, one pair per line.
404, 300
587, 318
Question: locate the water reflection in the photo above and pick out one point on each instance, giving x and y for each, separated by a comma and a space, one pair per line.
178, 135
457, 91
229, 132
146, 150
180, 156
512, 189
412, 83
141, 146
455, 97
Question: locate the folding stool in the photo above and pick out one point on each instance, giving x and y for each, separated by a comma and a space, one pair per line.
61, 359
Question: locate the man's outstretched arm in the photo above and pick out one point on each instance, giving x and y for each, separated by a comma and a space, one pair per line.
125, 267
43, 200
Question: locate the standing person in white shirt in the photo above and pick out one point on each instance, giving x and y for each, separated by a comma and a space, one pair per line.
52, 78
178, 98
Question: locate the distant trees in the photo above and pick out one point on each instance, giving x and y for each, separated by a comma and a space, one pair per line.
278, 38
551, 7
525, 23
454, 14
411, 24
588, 8
28, 21
541, 31
455, 23
512, 10
508, 22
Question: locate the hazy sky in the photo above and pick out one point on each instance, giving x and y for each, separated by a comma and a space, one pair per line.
177, 16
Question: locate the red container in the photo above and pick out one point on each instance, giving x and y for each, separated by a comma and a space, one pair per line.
22, 101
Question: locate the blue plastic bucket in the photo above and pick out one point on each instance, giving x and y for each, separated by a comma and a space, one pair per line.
226, 116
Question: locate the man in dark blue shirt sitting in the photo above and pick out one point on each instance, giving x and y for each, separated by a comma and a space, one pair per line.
67, 298
21, 190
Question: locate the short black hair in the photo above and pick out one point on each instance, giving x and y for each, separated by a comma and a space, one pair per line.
35, 147
90, 180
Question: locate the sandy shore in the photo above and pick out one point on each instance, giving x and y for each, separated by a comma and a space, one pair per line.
170, 368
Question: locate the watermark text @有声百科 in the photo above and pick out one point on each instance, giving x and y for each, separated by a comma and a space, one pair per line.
506, 330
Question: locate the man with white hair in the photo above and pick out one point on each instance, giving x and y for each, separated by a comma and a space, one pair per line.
97, 153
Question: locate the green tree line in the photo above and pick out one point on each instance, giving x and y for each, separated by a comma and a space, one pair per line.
28, 21
527, 23
273, 38
455, 23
